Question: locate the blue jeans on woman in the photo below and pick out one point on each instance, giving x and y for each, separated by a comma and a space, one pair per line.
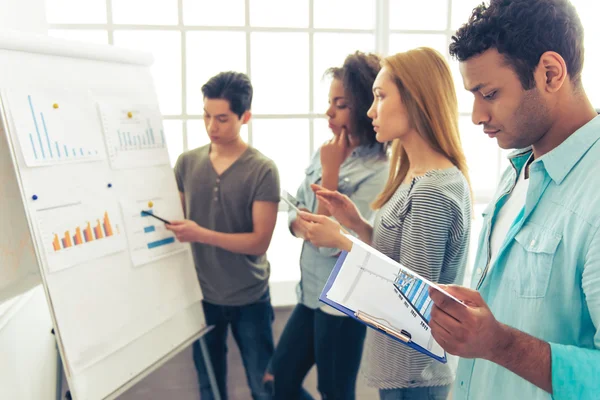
311, 337
252, 331
419, 393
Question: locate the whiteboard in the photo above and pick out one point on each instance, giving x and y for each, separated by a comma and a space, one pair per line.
82, 153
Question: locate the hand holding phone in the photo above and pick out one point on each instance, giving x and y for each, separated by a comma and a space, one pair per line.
290, 200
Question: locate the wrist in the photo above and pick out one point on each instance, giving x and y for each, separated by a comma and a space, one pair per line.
343, 243
205, 236
502, 346
329, 179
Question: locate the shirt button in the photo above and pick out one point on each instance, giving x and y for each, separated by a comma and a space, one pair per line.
462, 383
532, 243
216, 199
218, 180
216, 189
478, 271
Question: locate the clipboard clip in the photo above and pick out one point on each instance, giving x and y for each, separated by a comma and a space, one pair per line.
403, 335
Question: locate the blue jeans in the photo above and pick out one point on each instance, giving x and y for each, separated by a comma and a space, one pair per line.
419, 393
313, 337
251, 328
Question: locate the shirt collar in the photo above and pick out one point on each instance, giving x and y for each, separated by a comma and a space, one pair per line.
561, 160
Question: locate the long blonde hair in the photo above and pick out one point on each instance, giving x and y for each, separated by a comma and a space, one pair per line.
427, 91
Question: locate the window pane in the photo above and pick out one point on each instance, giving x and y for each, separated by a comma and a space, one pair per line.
81, 35
286, 142
465, 98
461, 11
214, 13
482, 158
588, 12
278, 13
166, 48
321, 133
197, 137
206, 58
174, 136
344, 14
163, 12
330, 50
76, 11
279, 90
400, 42
284, 252
419, 15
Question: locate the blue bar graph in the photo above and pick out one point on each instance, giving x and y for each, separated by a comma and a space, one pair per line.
33, 146
146, 212
416, 292
148, 229
162, 242
46, 147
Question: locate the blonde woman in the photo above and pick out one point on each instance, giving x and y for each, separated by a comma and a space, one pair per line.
424, 212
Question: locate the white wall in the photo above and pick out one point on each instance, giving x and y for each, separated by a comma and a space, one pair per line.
27, 347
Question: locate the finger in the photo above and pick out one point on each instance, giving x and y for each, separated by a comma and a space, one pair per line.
344, 142
448, 304
177, 222
435, 326
316, 187
325, 202
445, 320
469, 296
311, 217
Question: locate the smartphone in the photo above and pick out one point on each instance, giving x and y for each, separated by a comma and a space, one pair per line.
290, 200
148, 213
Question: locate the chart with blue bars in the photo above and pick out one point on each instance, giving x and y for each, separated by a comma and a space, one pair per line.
416, 292
151, 227
134, 134
53, 126
148, 236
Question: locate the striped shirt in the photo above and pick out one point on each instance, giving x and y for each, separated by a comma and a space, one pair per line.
425, 226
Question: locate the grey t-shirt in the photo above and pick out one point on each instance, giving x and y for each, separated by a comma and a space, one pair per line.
224, 204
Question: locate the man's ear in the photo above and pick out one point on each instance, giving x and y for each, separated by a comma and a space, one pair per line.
246, 117
552, 71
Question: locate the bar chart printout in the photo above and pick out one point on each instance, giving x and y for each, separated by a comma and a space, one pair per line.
54, 126
76, 232
148, 237
134, 135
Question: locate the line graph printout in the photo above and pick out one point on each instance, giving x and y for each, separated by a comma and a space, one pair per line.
55, 126
374, 284
133, 133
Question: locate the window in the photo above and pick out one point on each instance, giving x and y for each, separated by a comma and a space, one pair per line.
286, 47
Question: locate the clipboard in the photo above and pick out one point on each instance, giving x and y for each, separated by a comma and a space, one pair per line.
399, 335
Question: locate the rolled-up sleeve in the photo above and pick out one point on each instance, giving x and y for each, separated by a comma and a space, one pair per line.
576, 370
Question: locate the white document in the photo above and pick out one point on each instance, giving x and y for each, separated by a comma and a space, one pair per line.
55, 126
133, 133
391, 295
148, 238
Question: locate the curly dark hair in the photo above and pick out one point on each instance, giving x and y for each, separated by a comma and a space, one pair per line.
523, 30
357, 75
234, 87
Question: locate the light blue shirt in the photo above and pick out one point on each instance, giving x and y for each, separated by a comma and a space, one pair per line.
362, 177
545, 280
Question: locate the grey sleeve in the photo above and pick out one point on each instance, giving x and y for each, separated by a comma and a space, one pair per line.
268, 184
179, 172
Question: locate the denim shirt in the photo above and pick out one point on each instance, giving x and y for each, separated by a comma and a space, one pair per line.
362, 177
545, 280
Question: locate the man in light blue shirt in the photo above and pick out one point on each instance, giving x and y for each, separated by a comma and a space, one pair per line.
531, 328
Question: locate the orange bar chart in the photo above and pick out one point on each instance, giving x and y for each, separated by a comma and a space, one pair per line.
102, 229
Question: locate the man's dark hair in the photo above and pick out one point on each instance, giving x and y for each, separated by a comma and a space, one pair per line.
357, 76
234, 87
523, 30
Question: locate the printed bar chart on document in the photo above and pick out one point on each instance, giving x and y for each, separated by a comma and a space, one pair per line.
378, 291
53, 126
134, 134
148, 237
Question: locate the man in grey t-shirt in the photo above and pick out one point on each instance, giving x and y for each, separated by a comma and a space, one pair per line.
230, 193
